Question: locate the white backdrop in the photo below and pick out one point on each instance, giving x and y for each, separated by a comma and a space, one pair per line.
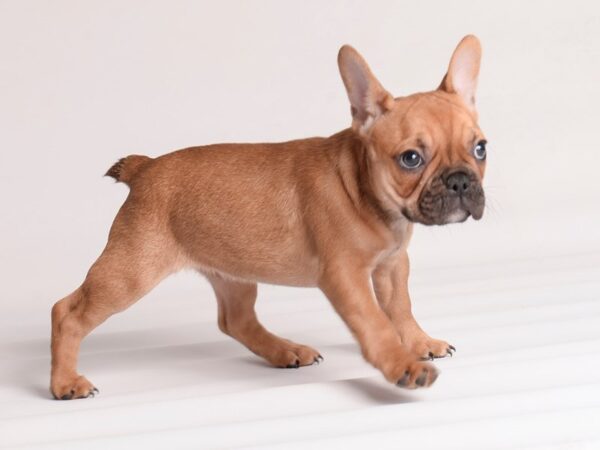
84, 83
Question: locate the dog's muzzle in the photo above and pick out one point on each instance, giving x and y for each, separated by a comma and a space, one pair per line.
450, 198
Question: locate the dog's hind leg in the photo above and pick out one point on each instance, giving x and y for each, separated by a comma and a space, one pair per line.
133, 262
237, 319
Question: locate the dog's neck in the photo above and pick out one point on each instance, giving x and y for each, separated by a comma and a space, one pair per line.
352, 163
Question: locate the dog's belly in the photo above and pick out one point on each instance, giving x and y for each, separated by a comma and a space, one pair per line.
243, 218
272, 251
252, 256
305, 276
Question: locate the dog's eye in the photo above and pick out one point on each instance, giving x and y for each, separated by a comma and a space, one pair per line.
479, 151
410, 159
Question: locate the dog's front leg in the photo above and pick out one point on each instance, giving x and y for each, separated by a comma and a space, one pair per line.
350, 293
390, 281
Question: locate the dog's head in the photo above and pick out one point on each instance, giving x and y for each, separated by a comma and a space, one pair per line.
425, 152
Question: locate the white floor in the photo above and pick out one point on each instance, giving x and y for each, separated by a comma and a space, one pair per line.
526, 374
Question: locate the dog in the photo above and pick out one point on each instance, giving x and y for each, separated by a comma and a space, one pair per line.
336, 213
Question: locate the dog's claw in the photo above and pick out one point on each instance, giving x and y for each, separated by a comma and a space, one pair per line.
68, 396
293, 366
420, 381
318, 359
404, 380
93, 392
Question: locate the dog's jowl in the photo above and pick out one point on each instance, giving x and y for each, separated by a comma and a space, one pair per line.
333, 212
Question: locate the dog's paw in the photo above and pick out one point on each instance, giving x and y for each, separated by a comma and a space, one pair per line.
412, 374
73, 388
292, 356
430, 349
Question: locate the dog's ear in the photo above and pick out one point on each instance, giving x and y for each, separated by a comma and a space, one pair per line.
368, 99
464, 70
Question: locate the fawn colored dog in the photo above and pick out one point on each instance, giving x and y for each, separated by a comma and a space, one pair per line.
333, 212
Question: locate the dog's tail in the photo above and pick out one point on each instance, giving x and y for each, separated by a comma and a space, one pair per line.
125, 169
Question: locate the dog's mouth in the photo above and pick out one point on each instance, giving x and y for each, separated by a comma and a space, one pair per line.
460, 215
446, 208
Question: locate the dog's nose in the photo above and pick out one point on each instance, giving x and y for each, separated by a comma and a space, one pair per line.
458, 182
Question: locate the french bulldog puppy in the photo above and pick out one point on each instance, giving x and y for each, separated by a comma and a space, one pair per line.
335, 212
